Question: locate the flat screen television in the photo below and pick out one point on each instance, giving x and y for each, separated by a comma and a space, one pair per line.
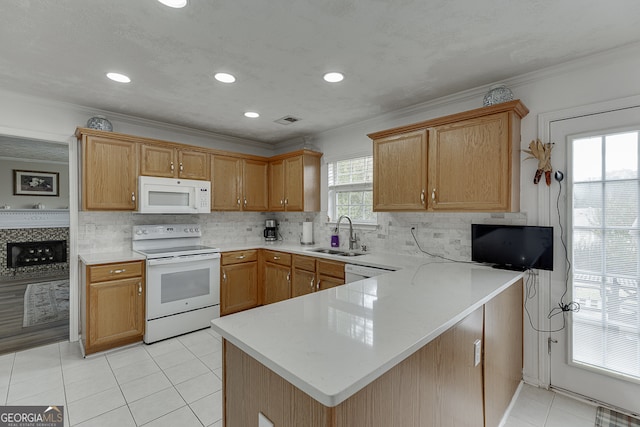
512, 247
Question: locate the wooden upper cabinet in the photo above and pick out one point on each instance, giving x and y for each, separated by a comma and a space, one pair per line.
226, 183
466, 162
193, 165
470, 165
400, 172
112, 162
109, 173
156, 160
172, 162
238, 184
255, 187
276, 185
294, 182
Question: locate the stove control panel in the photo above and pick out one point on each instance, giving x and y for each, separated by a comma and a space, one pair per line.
167, 231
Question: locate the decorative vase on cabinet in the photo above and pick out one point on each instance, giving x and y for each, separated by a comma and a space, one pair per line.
497, 95
100, 123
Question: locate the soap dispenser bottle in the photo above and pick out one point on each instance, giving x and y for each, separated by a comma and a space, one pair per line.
335, 239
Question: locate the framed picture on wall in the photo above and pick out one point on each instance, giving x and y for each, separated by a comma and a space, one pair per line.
34, 183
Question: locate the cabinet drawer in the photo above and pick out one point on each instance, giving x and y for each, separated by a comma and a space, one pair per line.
122, 270
331, 268
304, 263
238, 257
277, 257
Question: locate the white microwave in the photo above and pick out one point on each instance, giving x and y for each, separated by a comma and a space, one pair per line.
173, 196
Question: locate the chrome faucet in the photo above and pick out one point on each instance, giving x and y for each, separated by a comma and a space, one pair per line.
353, 239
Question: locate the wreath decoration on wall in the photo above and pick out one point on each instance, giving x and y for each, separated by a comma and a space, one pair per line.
542, 152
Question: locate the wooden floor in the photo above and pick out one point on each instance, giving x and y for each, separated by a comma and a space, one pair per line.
14, 337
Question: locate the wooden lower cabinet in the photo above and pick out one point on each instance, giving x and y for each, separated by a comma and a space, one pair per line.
277, 283
239, 281
276, 276
304, 275
503, 353
113, 309
330, 274
438, 385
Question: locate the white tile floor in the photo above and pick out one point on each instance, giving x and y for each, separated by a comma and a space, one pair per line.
537, 407
177, 382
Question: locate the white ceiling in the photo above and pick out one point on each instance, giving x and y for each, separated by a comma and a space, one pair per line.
394, 53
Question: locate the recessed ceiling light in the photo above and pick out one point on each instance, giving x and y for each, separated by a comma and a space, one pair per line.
334, 77
177, 4
224, 77
251, 114
117, 77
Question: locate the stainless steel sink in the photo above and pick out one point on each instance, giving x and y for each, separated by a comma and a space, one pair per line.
351, 254
327, 251
336, 252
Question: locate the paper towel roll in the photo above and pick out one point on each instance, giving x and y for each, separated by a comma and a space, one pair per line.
307, 232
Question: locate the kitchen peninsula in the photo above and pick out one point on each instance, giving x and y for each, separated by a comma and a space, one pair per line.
438, 344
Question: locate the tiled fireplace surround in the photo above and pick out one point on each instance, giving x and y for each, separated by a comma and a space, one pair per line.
31, 235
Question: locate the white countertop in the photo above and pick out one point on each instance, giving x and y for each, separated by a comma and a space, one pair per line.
109, 257
332, 343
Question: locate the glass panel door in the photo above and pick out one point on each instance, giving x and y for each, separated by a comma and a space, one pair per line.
597, 352
606, 330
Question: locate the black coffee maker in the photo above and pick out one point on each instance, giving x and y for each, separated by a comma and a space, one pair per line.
270, 230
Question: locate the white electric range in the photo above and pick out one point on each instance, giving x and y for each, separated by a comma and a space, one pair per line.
182, 279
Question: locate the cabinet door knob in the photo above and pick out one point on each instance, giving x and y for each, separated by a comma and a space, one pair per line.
133, 196
172, 166
240, 256
433, 195
224, 276
281, 202
181, 168
312, 280
318, 285
422, 196
238, 201
245, 202
139, 288
288, 276
286, 201
117, 271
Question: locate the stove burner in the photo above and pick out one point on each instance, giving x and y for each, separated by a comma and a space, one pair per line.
22, 254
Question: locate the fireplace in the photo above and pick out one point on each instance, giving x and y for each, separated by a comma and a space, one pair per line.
33, 253
25, 254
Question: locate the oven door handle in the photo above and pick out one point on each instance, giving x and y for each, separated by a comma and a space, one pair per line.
184, 258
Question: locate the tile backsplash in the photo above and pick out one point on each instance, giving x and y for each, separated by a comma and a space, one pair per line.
444, 234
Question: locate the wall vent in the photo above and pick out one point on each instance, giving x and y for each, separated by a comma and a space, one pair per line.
287, 120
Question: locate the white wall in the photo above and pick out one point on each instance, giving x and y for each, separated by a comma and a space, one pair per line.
27, 202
